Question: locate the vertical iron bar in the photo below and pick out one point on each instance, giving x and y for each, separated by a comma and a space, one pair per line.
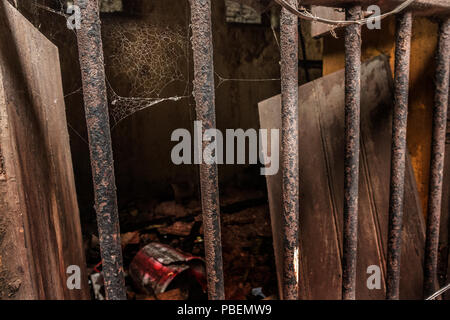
351, 162
437, 157
398, 152
205, 107
97, 119
289, 147
96, 106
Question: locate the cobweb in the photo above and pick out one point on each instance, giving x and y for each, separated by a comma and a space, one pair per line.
152, 60
146, 64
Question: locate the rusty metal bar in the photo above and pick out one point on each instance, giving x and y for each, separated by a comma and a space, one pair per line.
96, 106
437, 157
398, 152
351, 161
205, 108
289, 147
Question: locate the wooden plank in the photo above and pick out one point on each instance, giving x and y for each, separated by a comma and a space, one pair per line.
39, 218
318, 29
321, 202
376, 130
369, 248
328, 272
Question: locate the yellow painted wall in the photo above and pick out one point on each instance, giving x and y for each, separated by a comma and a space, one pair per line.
423, 46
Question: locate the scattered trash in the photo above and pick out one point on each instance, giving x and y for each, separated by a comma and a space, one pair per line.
98, 286
258, 293
97, 266
246, 239
179, 228
170, 208
157, 268
129, 238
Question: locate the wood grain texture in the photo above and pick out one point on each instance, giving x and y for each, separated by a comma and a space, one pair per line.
39, 220
321, 183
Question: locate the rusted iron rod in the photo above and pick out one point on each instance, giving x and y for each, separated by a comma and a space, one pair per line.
205, 107
351, 161
289, 147
96, 106
398, 152
437, 157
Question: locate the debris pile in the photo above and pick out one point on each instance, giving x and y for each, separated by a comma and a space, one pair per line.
163, 249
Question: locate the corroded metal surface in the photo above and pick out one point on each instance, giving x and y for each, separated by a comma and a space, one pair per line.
96, 106
419, 7
398, 153
351, 160
205, 106
289, 155
437, 157
321, 143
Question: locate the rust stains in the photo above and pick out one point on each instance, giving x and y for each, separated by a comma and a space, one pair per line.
289, 151
398, 152
351, 161
96, 106
205, 108
437, 157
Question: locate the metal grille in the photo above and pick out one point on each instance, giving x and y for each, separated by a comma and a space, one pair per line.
89, 42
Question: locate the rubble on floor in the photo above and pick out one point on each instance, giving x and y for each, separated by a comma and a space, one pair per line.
177, 225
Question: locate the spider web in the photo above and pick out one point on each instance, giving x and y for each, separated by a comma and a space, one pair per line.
148, 63
151, 62
151, 59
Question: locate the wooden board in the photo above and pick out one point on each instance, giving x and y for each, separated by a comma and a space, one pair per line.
40, 234
321, 116
319, 29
